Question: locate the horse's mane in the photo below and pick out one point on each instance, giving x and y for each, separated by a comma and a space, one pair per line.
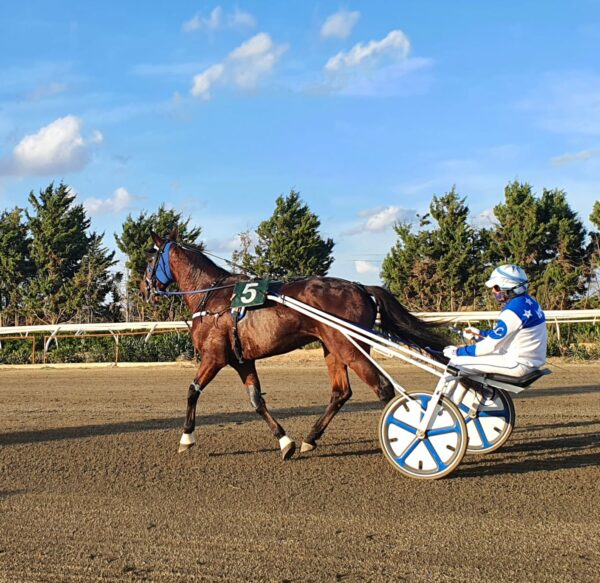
200, 259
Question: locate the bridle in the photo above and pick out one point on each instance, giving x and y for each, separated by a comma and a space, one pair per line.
160, 272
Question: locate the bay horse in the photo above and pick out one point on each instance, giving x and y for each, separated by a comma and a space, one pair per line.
275, 329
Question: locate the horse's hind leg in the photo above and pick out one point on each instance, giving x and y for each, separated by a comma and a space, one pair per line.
340, 393
247, 372
370, 375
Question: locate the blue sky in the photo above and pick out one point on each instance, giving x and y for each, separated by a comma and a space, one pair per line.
367, 108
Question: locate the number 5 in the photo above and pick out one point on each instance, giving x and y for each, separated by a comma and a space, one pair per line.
249, 293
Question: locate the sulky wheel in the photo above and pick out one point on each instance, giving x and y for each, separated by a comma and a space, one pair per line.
432, 456
490, 419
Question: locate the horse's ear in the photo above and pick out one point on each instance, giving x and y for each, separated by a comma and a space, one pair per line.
158, 241
174, 233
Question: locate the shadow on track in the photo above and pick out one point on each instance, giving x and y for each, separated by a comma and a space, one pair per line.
533, 392
547, 454
85, 431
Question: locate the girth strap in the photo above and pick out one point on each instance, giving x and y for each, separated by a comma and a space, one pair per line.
236, 316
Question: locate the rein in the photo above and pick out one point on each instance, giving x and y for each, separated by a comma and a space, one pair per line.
195, 291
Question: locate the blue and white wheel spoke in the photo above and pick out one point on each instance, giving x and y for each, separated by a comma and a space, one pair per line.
402, 425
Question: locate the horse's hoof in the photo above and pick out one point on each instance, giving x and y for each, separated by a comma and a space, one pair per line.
288, 447
307, 446
288, 452
187, 441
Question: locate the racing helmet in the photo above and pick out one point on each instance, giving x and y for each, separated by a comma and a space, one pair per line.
508, 278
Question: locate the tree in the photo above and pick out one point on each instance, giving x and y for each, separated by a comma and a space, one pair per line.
289, 243
593, 259
519, 235
134, 241
544, 236
563, 278
436, 268
241, 258
15, 265
94, 282
59, 244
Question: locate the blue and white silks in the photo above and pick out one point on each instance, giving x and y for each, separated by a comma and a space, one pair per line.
519, 334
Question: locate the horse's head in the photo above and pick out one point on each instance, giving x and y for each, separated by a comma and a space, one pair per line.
158, 275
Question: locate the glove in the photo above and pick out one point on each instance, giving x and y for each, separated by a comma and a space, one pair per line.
471, 333
450, 351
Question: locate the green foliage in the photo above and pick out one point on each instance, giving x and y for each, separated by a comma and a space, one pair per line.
436, 268
593, 260
15, 351
134, 241
15, 265
241, 258
289, 243
94, 282
545, 237
53, 269
163, 347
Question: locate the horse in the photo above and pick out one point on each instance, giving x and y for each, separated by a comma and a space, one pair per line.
275, 329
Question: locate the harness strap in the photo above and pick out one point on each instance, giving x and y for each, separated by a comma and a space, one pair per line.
237, 343
213, 286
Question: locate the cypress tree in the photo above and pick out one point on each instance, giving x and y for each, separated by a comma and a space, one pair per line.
545, 237
59, 244
15, 266
439, 267
134, 241
289, 242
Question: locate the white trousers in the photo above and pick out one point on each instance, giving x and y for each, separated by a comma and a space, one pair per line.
494, 363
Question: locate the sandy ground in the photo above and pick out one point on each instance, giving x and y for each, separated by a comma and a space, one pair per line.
92, 489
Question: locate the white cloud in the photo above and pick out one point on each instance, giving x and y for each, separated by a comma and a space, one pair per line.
120, 201
253, 59
210, 22
244, 66
239, 19
377, 68
56, 148
362, 266
217, 19
394, 46
569, 158
203, 82
340, 24
384, 218
380, 219
486, 219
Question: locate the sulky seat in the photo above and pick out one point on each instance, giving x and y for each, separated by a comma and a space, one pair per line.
523, 381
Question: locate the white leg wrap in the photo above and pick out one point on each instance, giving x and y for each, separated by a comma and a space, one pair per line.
188, 438
284, 442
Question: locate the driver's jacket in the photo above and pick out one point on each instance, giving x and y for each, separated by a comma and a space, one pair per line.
520, 334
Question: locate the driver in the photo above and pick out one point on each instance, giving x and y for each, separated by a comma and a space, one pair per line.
516, 345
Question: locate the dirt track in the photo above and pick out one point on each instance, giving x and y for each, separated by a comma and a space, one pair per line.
92, 489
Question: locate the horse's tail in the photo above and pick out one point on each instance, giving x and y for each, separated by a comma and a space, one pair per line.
397, 320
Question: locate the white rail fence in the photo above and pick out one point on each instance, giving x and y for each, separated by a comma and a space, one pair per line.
552, 317
117, 329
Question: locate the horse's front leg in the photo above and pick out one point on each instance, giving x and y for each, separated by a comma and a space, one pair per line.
206, 373
249, 376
